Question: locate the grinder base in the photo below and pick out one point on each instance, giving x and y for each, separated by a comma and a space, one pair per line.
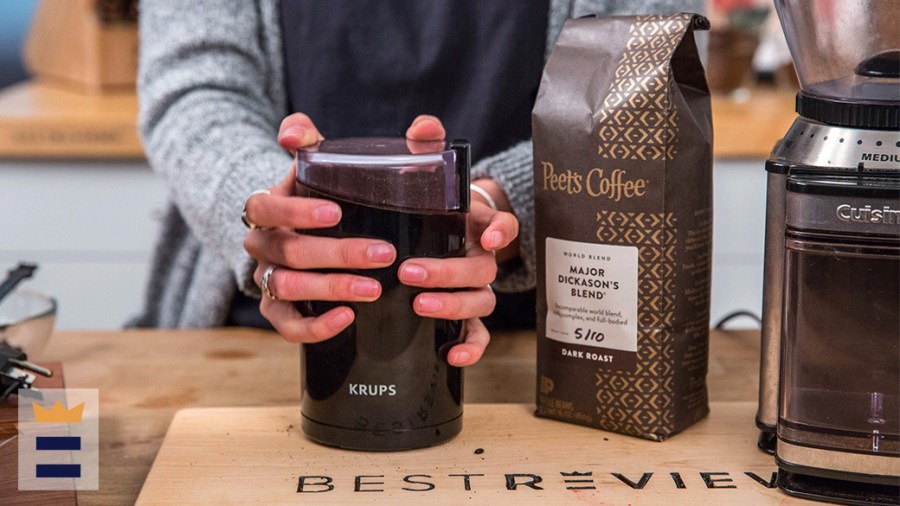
809, 483
381, 440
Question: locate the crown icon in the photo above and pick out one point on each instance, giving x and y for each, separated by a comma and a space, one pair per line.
57, 414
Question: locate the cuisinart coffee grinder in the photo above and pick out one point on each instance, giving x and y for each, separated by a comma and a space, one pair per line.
384, 382
830, 377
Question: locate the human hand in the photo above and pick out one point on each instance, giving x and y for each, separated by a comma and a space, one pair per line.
488, 232
294, 255
276, 244
492, 235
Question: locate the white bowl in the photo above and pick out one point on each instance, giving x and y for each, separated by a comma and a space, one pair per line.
26, 320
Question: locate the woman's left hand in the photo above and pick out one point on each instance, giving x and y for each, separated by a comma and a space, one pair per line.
488, 232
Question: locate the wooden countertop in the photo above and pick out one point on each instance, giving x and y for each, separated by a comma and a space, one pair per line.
45, 120
145, 376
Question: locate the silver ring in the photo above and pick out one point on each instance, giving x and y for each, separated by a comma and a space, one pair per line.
264, 282
247, 223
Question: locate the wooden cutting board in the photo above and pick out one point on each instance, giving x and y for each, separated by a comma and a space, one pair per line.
504, 455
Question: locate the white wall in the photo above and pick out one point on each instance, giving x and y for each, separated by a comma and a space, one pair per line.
90, 226
739, 211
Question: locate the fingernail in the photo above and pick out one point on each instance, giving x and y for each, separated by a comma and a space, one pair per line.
413, 273
429, 304
461, 357
495, 239
380, 252
365, 287
342, 318
292, 131
327, 214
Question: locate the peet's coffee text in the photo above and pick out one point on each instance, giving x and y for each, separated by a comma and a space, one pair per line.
614, 185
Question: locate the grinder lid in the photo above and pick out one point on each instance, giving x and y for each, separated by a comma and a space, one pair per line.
389, 172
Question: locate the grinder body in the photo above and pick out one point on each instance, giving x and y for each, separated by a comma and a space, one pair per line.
384, 382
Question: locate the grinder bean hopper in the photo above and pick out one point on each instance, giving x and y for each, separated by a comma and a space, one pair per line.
830, 376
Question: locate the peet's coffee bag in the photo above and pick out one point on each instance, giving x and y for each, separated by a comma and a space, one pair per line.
623, 200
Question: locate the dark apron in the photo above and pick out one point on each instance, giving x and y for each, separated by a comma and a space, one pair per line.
369, 67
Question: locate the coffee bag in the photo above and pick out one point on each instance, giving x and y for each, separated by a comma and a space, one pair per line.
623, 196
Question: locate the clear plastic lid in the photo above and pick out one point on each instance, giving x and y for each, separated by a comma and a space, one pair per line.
831, 39
389, 172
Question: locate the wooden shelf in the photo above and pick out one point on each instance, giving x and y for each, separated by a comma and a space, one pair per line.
46, 120
750, 128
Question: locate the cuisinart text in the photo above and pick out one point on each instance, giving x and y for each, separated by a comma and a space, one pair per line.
867, 214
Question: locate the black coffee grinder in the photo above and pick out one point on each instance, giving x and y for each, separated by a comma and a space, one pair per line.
830, 376
384, 382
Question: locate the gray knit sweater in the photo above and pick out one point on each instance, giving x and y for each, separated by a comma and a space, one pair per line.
211, 87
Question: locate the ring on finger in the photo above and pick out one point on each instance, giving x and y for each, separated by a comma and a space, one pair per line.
249, 224
264, 282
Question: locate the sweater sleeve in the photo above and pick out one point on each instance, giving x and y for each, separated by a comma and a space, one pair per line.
211, 99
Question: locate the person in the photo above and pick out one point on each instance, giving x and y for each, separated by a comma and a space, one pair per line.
217, 78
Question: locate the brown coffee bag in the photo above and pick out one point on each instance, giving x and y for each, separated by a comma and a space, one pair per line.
623, 200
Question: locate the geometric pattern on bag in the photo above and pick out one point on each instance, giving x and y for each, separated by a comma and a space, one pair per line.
639, 403
637, 120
